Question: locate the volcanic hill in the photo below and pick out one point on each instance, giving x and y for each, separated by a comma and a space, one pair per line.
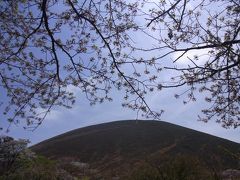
119, 147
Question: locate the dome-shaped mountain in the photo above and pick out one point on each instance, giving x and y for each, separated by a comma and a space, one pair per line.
122, 145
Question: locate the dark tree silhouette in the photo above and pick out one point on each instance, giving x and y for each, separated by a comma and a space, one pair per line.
10, 150
48, 46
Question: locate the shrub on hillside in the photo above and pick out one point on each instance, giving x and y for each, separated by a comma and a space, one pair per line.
181, 167
17, 162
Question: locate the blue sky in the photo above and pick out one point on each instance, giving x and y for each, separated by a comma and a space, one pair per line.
61, 120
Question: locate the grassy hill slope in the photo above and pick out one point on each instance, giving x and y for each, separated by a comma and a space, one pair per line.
117, 147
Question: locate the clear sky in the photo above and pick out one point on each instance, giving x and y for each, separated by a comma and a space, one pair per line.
61, 120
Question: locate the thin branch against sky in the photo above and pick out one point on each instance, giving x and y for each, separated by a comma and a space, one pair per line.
100, 47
